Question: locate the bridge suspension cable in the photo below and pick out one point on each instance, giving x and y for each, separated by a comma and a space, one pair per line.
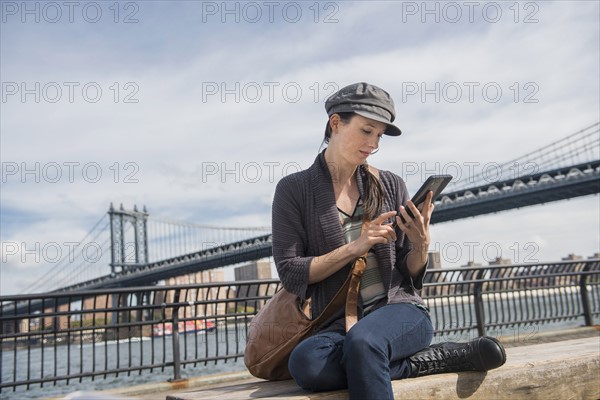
167, 238
577, 148
77, 261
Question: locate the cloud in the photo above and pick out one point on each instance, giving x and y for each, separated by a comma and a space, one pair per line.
197, 119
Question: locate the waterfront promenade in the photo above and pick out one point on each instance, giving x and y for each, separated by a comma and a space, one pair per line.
550, 365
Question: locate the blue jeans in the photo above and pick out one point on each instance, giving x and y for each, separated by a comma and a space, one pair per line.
366, 359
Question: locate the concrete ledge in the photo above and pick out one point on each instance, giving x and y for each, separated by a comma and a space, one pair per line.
208, 383
561, 370
567, 369
160, 390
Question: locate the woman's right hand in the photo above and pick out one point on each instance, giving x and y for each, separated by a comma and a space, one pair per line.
374, 232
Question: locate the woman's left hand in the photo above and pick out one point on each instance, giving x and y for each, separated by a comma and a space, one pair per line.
417, 228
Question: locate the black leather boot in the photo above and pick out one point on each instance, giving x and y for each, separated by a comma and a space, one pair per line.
481, 354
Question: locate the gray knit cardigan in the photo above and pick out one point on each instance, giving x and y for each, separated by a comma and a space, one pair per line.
306, 224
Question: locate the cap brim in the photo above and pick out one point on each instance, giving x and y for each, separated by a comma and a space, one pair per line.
391, 130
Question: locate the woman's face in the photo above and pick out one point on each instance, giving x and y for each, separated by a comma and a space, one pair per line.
358, 138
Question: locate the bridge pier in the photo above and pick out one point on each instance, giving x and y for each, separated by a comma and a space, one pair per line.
120, 257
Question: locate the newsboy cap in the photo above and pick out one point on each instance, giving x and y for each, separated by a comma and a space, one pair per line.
367, 100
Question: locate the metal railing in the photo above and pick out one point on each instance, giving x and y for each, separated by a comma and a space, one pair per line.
111, 333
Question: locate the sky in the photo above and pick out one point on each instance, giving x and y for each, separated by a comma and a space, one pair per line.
196, 110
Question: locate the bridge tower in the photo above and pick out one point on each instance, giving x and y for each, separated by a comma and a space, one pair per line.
125, 253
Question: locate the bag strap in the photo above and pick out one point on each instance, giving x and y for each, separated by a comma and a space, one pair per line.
347, 293
339, 299
358, 269
352, 297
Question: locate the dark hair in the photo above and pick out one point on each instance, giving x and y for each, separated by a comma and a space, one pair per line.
373, 200
345, 117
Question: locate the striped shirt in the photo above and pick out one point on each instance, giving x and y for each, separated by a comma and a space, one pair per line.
371, 284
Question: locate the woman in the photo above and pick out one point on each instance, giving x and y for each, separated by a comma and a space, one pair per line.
336, 210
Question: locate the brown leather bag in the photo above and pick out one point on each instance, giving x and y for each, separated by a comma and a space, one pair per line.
281, 324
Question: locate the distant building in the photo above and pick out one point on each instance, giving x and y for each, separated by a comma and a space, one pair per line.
249, 295
572, 280
501, 261
493, 279
260, 269
468, 276
209, 276
471, 264
193, 295
435, 260
572, 257
434, 275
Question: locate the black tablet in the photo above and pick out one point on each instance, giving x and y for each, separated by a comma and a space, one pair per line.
435, 183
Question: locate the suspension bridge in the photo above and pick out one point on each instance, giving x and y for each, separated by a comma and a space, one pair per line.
564, 169
132, 248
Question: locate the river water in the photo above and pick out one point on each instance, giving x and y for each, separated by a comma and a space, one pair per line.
103, 356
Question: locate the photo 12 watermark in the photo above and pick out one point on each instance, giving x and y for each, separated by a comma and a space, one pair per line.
452, 12
317, 92
53, 12
468, 251
69, 172
271, 91
252, 12
471, 92
53, 252
69, 92
464, 173
490, 252
247, 172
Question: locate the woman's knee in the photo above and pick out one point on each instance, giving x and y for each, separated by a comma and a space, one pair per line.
362, 344
315, 365
376, 341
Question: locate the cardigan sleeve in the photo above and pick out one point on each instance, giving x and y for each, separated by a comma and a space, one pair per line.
290, 237
404, 246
